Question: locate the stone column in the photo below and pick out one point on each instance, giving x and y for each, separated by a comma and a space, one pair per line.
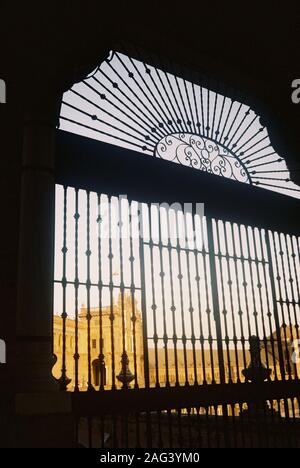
36, 244
42, 415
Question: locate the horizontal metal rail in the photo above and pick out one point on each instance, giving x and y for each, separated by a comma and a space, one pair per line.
159, 399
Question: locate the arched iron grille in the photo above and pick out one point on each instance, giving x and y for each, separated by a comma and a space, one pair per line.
138, 106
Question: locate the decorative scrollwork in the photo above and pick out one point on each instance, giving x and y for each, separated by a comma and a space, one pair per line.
202, 153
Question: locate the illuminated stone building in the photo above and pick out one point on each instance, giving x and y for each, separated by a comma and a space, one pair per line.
110, 356
184, 366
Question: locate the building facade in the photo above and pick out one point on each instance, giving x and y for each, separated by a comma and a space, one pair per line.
125, 332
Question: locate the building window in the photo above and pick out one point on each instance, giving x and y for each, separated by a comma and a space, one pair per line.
97, 373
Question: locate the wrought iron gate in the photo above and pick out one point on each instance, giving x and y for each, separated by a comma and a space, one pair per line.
241, 283
189, 334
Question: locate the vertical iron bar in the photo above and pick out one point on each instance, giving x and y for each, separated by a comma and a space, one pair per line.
143, 295
240, 312
100, 287
288, 305
76, 286
216, 306
162, 276
132, 290
197, 278
180, 435
88, 292
191, 308
218, 254
215, 299
77, 423
63, 380
180, 277
170, 426
275, 304
269, 314
111, 290
259, 285
173, 308
192, 120
293, 279
122, 289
